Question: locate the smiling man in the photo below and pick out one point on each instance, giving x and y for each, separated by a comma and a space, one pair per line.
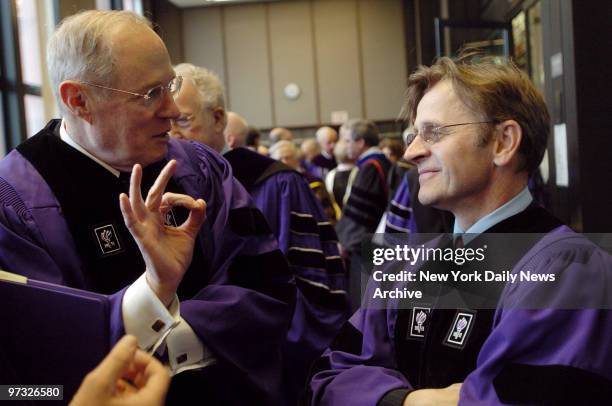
480, 131
204, 285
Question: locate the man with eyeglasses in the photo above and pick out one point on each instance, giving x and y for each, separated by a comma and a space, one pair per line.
192, 268
480, 130
295, 217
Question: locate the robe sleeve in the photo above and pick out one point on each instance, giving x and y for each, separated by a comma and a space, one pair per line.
364, 208
243, 313
359, 368
309, 241
550, 342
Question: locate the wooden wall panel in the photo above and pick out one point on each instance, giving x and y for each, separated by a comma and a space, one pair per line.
344, 54
383, 54
203, 36
248, 70
338, 58
292, 61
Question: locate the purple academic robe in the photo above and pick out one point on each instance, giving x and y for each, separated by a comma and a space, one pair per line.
311, 246
526, 356
406, 214
242, 309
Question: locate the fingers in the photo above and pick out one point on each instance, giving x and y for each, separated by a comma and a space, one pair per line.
126, 211
118, 360
152, 379
135, 195
196, 218
197, 210
154, 196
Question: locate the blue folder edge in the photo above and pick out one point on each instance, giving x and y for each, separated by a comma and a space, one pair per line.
51, 334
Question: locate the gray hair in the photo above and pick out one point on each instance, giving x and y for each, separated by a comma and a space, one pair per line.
210, 89
310, 148
322, 132
361, 129
283, 145
341, 151
80, 48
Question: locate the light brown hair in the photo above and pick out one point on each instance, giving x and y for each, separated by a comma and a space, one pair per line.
493, 90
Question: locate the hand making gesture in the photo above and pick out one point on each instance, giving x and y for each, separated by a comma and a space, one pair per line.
167, 251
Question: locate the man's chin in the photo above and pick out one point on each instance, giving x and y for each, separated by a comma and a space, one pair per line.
428, 199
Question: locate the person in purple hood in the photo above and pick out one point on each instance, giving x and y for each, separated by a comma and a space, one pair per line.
480, 130
193, 271
291, 210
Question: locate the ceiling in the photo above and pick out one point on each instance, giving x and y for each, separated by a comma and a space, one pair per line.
207, 3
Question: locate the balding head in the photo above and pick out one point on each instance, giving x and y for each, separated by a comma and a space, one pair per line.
286, 152
327, 138
102, 64
84, 47
236, 130
310, 149
280, 134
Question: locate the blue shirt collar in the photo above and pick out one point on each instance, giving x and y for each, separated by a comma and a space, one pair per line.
519, 203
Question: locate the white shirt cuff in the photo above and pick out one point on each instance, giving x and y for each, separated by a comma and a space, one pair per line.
146, 317
185, 350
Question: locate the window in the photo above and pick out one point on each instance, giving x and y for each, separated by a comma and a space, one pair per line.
25, 97
31, 64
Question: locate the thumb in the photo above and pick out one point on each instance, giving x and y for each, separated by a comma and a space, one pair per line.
118, 360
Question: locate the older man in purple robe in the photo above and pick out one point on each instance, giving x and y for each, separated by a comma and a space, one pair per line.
194, 271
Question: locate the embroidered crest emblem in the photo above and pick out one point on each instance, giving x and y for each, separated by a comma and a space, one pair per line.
108, 241
460, 329
420, 320
170, 220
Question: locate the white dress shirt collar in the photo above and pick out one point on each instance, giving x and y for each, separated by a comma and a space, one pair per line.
68, 140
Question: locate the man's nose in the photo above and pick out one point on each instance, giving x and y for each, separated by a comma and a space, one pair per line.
169, 109
416, 150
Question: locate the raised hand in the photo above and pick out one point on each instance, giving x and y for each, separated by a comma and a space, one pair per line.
127, 376
167, 251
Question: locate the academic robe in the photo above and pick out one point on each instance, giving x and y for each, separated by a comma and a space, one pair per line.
309, 241
324, 165
505, 354
60, 222
366, 203
406, 214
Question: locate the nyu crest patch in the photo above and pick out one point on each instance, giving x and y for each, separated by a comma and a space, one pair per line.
170, 219
419, 321
460, 329
108, 240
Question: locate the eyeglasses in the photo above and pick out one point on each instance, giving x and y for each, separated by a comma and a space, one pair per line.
432, 134
183, 122
153, 95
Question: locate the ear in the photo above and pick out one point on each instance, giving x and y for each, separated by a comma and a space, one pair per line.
74, 99
508, 138
231, 141
220, 119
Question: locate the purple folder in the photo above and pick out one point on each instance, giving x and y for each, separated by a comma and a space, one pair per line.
51, 334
